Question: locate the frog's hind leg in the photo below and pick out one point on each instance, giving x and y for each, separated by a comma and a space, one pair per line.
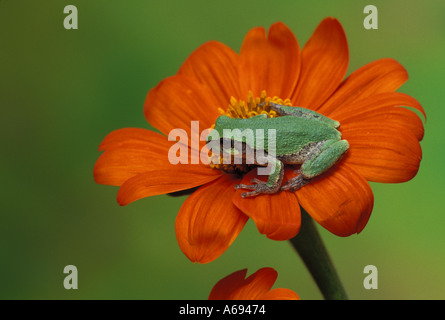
330, 154
295, 183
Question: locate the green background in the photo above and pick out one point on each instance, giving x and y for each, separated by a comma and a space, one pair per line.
62, 91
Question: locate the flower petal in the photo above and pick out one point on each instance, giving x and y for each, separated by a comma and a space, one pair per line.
325, 59
208, 222
256, 285
178, 100
215, 65
270, 63
386, 99
225, 287
281, 294
384, 108
382, 152
176, 178
340, 200
275, 215
129, 152
391, 117
125, 135
383, 75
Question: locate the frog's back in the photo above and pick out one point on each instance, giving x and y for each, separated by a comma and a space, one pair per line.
293, 133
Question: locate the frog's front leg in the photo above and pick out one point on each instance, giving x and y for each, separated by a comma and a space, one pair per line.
273, 183
319, 162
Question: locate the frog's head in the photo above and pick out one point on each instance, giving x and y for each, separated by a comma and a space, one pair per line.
224, 125
221, 123
235, 129
224, 134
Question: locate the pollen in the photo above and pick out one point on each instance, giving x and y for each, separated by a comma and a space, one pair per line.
253, 106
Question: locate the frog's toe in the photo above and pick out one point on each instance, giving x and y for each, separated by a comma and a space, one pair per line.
256, 185
259, 189
294, 189
257, 181
249, 194
295, 183
245, 186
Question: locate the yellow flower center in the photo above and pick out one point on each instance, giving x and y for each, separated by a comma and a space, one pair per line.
246, 109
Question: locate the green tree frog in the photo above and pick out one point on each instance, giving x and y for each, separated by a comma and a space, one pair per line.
299, 136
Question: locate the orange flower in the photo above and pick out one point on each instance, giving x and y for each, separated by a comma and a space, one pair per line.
255, 287
383, 137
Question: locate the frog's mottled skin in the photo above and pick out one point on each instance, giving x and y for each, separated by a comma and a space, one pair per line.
302, 137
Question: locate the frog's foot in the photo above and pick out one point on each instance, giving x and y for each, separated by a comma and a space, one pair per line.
258, 188
295, 183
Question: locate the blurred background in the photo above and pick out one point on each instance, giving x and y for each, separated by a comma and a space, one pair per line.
62, 91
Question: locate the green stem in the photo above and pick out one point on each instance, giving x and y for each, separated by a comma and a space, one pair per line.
312, 251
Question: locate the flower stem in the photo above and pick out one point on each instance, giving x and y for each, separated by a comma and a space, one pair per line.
312, 251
